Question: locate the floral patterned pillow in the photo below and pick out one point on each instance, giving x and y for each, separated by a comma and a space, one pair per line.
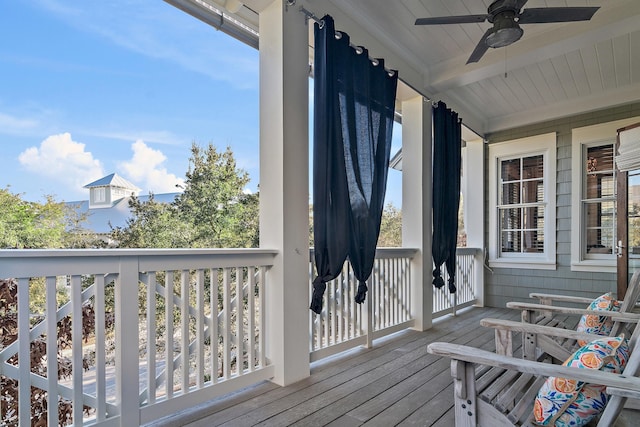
593, 324
567, 402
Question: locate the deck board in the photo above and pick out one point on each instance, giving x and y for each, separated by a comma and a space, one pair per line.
394, 383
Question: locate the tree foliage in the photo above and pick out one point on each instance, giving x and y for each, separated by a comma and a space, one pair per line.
33, 225
390, 227
212, 212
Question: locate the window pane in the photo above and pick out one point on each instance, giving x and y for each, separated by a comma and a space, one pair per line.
511, 241
532, 167
634, 213
599, 170
533, 191
510, 219
533, 218
600, 158
600, 222
599, 199
600, 185
510, 170
511, 193
533, 241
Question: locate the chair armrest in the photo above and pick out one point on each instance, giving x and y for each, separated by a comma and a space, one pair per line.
623, 317
623, 392
510, 325
561, 298
475, 355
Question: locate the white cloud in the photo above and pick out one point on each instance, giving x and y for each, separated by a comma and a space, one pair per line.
62, 159
146, 169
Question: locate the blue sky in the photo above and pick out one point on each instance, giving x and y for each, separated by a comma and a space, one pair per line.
88, 88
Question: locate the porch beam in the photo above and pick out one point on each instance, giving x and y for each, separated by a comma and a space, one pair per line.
284, 187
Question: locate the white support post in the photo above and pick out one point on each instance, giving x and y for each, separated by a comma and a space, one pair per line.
416, 204
127, 342
473, 190
284, 187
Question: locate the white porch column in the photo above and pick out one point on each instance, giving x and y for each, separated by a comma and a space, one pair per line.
473, 191
416, 204
284, 187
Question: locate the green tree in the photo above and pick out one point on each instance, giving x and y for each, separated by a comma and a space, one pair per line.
390, 227
212, 212
213, 201
33, 225
152, 225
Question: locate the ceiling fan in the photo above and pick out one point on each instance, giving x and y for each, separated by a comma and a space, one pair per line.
506, 17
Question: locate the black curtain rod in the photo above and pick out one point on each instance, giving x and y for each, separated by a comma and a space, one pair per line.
310, 15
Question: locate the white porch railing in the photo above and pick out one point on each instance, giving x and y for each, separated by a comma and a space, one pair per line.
343, 324
468, 275
197, 312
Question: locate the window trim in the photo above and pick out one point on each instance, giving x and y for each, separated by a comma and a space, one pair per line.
580, 137
544, 145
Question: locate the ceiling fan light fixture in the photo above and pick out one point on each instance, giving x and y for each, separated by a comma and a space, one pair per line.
506, 30
504, 37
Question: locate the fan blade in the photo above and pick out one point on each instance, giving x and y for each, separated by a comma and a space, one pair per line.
544, 15
466, 19
520, 4
481, 48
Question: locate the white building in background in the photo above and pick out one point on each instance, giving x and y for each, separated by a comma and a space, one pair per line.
108, 204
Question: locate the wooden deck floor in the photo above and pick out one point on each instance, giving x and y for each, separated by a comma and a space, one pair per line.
394, 383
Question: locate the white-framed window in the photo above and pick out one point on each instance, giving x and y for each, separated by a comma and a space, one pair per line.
598, 201
593, 196
99, 195
522, 194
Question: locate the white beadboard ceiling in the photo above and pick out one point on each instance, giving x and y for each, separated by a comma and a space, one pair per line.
554, 70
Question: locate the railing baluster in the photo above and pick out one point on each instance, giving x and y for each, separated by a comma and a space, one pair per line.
151, 337
339, 334
76, 345
52, 349
226, 288
261, 290
100, 310
168, 359
24, 356
239, 321
200, 328
184, 329
251, 315
213, 324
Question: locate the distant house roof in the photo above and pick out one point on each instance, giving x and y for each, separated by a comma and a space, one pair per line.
113, 180
101, 220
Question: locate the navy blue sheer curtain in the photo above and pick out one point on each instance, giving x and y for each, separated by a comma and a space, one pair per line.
447, 140
353, 123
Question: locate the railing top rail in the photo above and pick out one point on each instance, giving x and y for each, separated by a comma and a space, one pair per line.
467, 251
53, 262
52, 253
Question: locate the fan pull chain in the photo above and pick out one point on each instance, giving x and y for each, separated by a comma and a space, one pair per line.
505, 62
